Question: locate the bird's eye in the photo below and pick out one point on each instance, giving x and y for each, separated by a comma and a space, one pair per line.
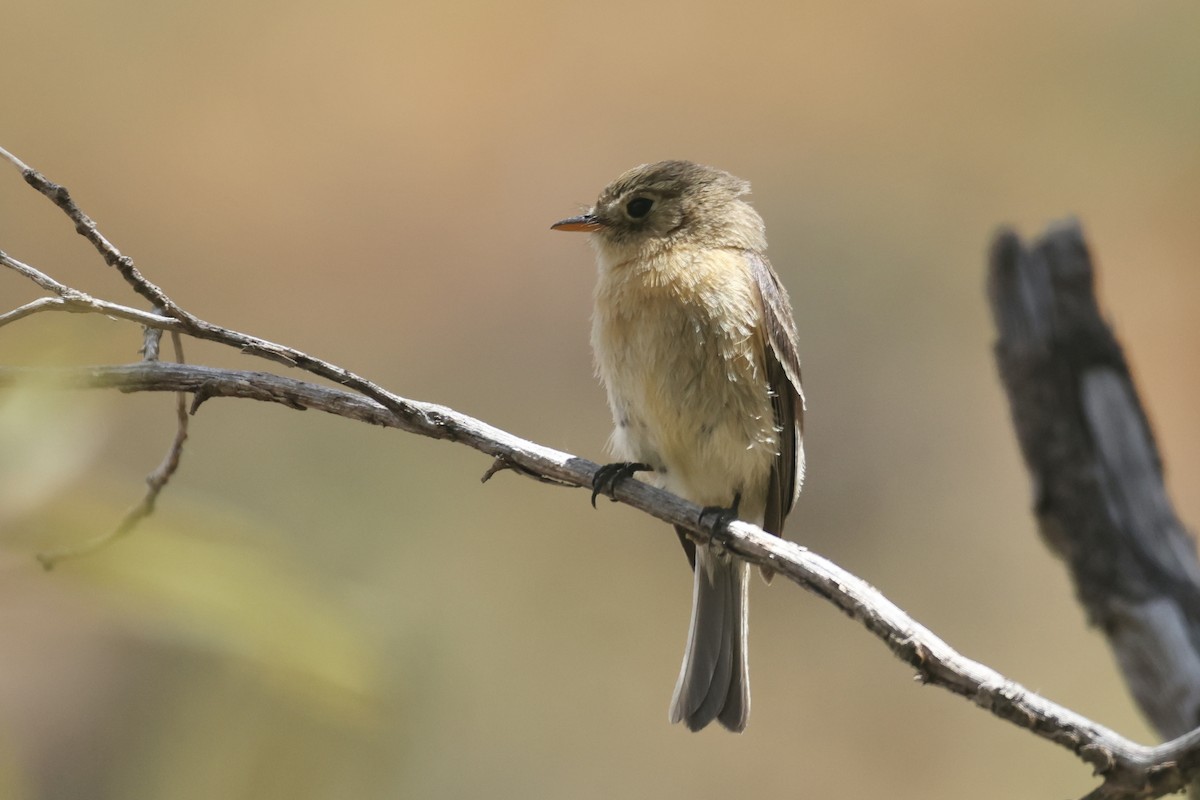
639, 207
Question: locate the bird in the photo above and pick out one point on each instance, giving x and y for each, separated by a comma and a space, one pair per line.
694, 340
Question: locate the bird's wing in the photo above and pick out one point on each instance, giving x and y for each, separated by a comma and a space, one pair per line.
787, 394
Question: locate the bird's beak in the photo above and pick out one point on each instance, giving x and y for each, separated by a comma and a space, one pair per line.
584, 222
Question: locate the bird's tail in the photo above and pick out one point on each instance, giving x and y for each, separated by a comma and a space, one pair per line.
714, 682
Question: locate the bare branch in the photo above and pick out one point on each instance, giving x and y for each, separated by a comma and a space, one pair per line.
189, 323
86, 228
425, 419
31, 308
1130, 770
10, 158
1140, 772
77, 302
36, 275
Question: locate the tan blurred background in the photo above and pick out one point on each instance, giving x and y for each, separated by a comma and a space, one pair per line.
323, 610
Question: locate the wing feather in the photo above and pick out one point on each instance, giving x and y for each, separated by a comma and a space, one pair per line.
787, 393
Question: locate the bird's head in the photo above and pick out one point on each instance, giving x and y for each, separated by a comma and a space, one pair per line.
657, 207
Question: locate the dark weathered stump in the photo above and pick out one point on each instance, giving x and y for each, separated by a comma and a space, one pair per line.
1097, 475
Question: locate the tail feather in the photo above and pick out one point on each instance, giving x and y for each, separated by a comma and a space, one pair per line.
737, 700
714, 679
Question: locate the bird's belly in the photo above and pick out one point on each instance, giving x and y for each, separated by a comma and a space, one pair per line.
690, 399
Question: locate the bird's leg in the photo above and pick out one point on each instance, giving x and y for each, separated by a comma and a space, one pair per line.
606, 478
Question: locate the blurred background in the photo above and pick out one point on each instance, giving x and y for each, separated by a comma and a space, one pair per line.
324, 610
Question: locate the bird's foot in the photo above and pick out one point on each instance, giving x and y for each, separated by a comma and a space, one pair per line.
607, 477
720, 515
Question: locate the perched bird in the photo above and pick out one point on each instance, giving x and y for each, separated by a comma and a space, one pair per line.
696, 346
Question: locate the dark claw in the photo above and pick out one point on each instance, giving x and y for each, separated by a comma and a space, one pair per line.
723, 515
607, 476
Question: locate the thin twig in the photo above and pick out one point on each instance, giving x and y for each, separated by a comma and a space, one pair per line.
156, 481
152, 338
36, 275
77, 302
86, 228
503, 463
190, 324
31, 308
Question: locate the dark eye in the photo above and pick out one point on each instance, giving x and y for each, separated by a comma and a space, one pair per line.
639, 207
